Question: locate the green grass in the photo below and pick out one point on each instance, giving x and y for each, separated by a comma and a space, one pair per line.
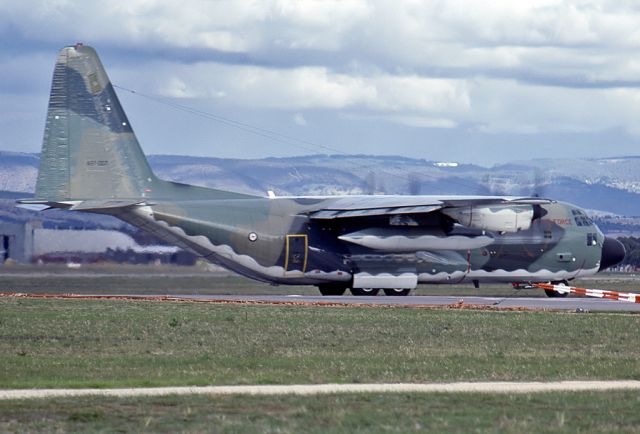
103, 343
357, 413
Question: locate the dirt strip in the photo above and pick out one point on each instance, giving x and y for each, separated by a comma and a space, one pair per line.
319, 389
459, 305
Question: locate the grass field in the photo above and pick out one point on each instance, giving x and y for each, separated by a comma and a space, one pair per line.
104, 343
557, 412
108, 343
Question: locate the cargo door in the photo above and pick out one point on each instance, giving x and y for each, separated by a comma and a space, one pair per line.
296, 254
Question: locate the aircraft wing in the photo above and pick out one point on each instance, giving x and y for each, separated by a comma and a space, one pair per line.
366, 206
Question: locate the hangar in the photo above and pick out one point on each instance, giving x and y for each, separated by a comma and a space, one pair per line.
16, 242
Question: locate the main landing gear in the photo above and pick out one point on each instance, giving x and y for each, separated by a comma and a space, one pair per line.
328, 290
397, 291
365, 291
335, 290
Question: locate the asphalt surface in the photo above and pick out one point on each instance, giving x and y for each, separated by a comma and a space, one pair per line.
567, 304
571, 304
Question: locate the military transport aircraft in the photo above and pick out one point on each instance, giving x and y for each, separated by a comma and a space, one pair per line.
91, 161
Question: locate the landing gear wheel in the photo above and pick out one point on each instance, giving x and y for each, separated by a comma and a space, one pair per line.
365, 291
555, 294
397, 291
327, 290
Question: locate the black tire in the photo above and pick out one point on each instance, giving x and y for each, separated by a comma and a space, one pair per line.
334, 290
365, 291
397, 291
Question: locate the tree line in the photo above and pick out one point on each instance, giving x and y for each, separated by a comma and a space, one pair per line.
632, 246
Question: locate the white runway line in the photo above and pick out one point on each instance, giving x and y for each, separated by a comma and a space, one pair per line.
318, 389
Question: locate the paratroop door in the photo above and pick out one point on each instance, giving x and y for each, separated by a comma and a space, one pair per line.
296, 253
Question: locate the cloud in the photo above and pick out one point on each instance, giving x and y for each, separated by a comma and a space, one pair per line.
299, 119
548, 41
507, 67
302, 88
508, 106
423, 122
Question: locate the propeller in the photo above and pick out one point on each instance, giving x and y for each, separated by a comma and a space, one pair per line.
492, 186
415, 184
495, 186
539, 183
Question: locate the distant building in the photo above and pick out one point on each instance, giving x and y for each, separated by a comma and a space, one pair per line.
26, 242
50, 241
16, 242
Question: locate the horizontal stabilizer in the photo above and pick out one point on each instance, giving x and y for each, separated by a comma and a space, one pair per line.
85, 205
40, 205
90, 205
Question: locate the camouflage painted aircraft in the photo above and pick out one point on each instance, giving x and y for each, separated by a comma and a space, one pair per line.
91, 161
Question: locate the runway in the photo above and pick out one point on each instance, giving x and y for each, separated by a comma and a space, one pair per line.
323, 389
581, 304
507, 303
569, 304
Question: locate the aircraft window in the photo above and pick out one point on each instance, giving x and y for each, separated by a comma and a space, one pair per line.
592, 239
583, 220
547, 234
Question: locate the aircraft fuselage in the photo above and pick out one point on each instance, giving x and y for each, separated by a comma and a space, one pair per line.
275, 240
91, 161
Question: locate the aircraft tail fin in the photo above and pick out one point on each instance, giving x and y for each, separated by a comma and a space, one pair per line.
89, 150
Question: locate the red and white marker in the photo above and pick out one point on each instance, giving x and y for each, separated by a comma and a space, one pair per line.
598, 293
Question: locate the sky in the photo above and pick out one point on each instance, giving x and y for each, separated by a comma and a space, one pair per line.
480, 82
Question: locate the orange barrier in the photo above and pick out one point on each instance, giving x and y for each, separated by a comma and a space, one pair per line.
598, 293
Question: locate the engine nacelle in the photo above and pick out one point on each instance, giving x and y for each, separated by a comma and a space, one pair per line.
499, 218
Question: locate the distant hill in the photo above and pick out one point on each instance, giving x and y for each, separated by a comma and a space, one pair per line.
18, 171
610, 185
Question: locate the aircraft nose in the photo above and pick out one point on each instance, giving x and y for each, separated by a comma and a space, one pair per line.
612, 253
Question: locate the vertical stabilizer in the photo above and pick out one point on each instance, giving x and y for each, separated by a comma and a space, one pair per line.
89, 150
